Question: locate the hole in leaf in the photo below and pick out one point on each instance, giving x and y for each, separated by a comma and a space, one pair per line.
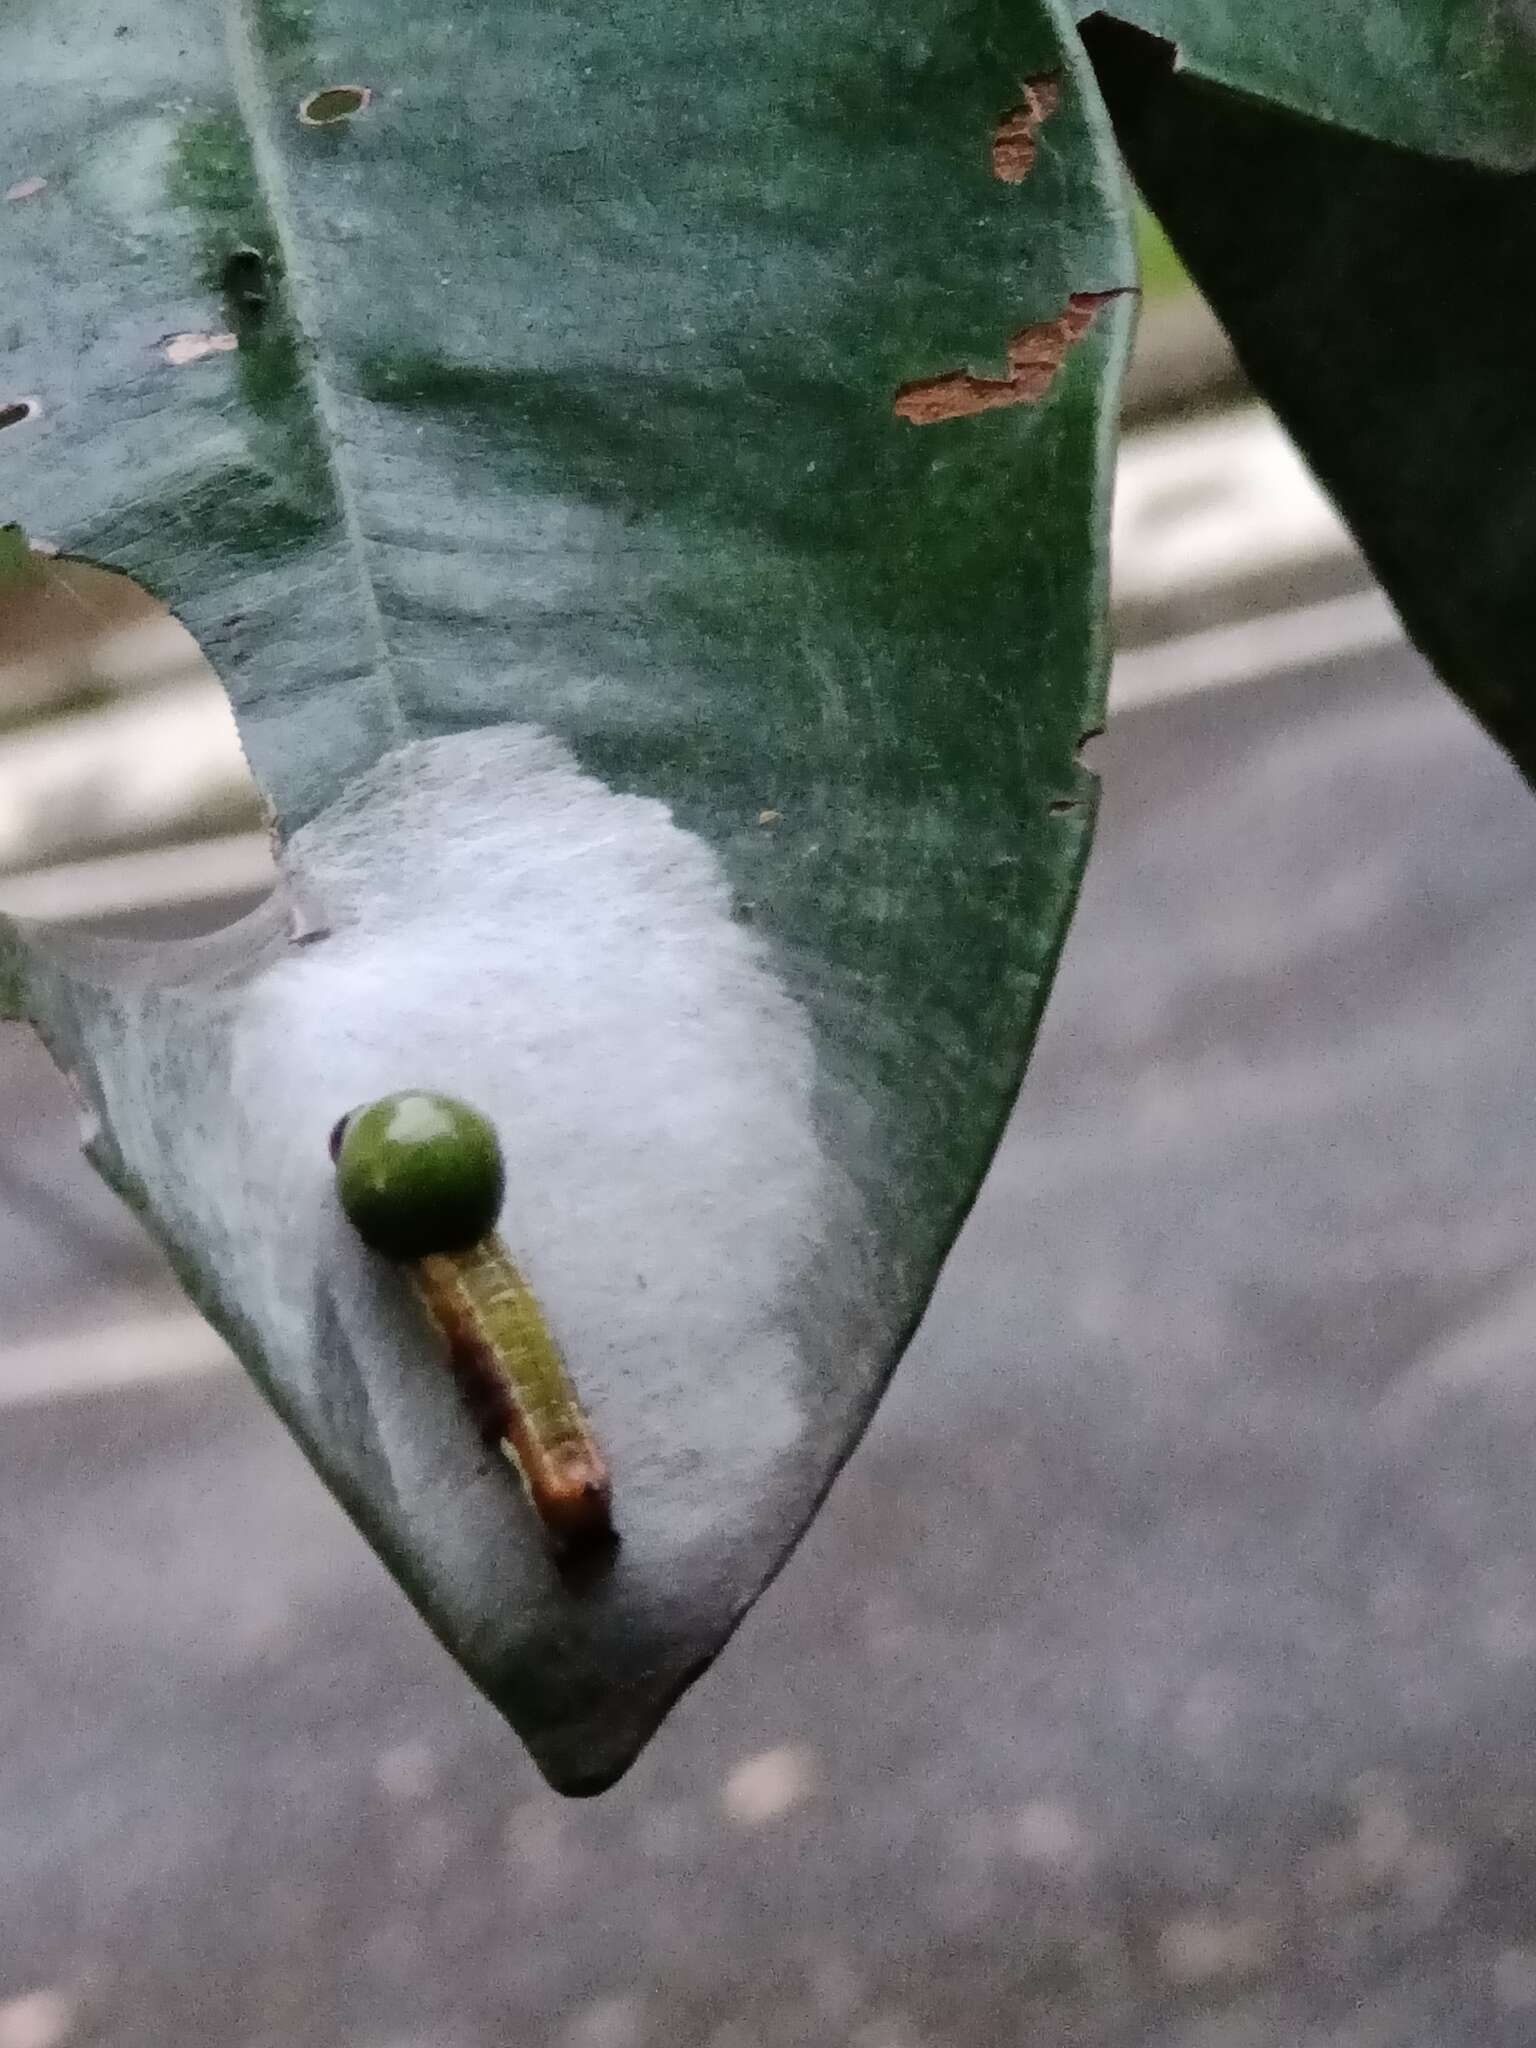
1080, 800
1035, 354
1016, 138
244, 279
125, 800
333, 103
13, 411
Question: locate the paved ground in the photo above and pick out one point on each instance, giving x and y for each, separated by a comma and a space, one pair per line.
1163, 1671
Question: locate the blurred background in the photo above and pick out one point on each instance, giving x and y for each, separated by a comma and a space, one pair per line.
1161, 1670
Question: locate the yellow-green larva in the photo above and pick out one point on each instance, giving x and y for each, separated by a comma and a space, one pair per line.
421, 1179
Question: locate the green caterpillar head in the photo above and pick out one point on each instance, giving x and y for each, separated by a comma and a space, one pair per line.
418, 1174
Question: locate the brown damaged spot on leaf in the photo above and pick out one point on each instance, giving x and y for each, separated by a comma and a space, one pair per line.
1034, 356
1016, 139
180, 349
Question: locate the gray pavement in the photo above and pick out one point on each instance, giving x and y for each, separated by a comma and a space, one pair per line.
1162, 1670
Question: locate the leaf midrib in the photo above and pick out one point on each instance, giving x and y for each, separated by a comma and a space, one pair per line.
258, 112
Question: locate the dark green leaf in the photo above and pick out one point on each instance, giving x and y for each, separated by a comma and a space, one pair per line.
1448, 77
675, 750
18, 565
1377, 300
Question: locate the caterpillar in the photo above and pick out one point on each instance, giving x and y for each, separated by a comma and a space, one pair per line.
421, 1179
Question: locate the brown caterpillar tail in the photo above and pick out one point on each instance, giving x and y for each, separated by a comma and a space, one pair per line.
569, 1488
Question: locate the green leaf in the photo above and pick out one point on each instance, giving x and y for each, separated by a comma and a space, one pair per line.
1376, 300
674, 750
17, 565
1447, 77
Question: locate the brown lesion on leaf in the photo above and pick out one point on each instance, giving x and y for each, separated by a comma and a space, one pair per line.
1016, 138
181, 349
1035, 354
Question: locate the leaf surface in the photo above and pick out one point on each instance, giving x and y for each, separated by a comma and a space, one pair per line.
672, 750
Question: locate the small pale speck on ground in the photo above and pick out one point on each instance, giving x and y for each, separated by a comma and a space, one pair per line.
1385, 1832
408, 1772
1378, 1852
1514, 1979
889, 1627
607, 2023
1203, 1949
669, 1832
535, 1831
1431, 1876
765, 1787
1232, 2028
180, 349
430, 1847
1507, 1632
837, 1990
1209, 1710
26, 188
886, 2030
38, 2019
534, 1838
769, 817
1048, 1833
395, 1948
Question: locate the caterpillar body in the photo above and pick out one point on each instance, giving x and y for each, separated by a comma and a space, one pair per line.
421, 1180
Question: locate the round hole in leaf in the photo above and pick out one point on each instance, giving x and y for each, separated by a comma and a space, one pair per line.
244, 278
333, 103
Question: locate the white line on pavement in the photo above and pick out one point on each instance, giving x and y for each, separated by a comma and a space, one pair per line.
130, 1353
154, 877
1226, 655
